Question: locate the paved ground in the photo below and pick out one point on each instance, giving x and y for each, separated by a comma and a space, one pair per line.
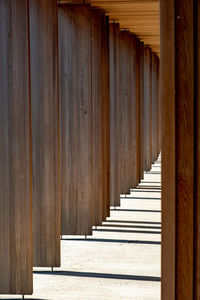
121, 260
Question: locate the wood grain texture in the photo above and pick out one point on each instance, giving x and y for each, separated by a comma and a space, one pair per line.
15, 170
168, 150
96, 126
45, 132
184, 79
76, 120
197, 150
114, 115
105, 115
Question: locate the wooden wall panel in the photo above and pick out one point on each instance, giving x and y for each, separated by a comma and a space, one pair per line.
76, 121
97, 158
15, 170
105, 114
114, 115
45, 132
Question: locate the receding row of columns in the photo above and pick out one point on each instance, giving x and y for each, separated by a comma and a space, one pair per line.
79, 124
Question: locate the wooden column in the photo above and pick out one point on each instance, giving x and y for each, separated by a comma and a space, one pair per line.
138, 110
147, 108
15, 152
154, 110
76, 120
180, 149
124, 111
45, 132
114, 115
97, 157
105, 114
142, 167
133, 113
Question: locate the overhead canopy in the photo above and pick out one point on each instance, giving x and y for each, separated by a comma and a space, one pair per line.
141, 17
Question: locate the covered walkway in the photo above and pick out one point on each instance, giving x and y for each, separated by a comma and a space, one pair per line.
121, 260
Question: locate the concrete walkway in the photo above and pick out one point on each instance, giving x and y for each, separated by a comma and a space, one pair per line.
121, 260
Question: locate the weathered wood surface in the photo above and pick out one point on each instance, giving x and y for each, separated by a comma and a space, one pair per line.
15, 170
96, 126
114, 115
105, 115
76, 121
45, 132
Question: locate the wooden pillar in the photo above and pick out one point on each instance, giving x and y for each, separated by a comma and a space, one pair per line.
138, 110
45, 132
76, 121
105, 114
142, 156
97, 157
154, 109
180, 149
147, 108
114, 115
124, 111
15, 152
133, 113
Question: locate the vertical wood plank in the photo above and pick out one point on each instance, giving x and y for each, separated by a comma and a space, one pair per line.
75, 107
45, 132
15, 158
